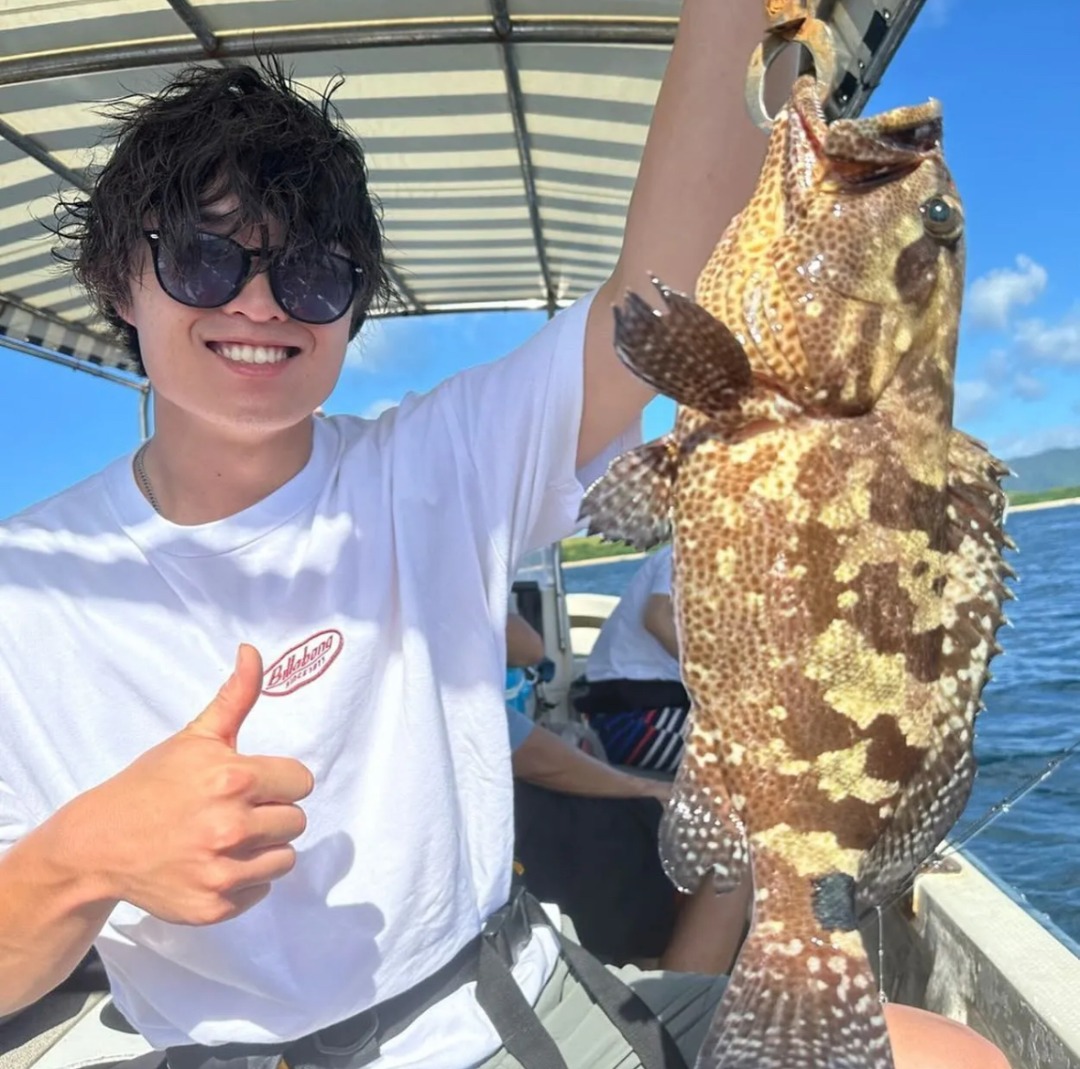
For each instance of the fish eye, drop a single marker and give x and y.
(942, 218)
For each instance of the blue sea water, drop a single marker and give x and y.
(1032, 713)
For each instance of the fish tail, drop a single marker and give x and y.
(797, 1004)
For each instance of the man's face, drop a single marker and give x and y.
(246, 363)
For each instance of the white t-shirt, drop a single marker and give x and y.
(375, 585)
(624, 649)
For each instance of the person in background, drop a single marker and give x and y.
(635, 700)
(586, 835)
(544, 759)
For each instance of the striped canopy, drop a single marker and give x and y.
(503, 136)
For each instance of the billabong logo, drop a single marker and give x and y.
(303, 664)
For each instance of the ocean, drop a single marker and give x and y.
(1032, 713)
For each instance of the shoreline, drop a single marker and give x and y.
(1061, 502)
(603, 560)
(1030, 506)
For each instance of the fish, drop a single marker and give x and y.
(839, 572)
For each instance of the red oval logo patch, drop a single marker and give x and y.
(303, 664)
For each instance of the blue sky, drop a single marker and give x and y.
(1010, 95)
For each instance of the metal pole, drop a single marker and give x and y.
(246, 45)
(70, 362)
(144, 414)
(504, 28)
(194, 21)
(25, 143)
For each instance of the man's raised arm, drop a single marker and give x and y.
(701, 161)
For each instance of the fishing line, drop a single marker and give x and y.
(979, 825)
(941, 856)
(881, 994)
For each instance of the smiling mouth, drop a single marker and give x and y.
(253, 354)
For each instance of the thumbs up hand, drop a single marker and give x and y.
(193, 831)
(224, 716)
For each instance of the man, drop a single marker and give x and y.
(331, 833)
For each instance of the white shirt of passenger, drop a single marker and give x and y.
(624, 649)
(375, 585)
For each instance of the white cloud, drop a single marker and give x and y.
(377, 408)
(997, 366)
(935, 13)
(972, 398)
(992, 297)
(1066, 436)
(1028, 387)
(1050, 343)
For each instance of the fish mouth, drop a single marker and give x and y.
(867, 151)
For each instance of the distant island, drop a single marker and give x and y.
(1056, 470)
(1033, 497)
(591, 547)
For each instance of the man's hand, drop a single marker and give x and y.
(193, 831)
(660, 789)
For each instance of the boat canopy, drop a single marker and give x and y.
(503, 136)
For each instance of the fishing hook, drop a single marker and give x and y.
(790, 22)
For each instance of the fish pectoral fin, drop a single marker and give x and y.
(974, 591)
(700, 835)
(685, 352)
(631, 501)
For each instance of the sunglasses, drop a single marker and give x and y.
(312, 287)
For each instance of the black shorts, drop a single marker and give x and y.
(598, 860)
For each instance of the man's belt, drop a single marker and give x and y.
(357, 1041)
(488, 960)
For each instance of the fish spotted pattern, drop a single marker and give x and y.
(838, 571)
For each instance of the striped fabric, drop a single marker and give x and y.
(503, 135)
(643, 738)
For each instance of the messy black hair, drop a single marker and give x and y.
(240, 131)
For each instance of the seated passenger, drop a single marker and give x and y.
(635, 700)
(586, 836)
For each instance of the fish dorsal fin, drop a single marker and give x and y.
(684, 352)
(975, 587)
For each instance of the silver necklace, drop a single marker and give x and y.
(144, 479)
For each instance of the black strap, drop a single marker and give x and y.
(488, 959)
(645, 1033)
(520, 1029)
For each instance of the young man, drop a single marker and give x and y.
(331, 833)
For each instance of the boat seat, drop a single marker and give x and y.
(74, 1027)
(587, 613)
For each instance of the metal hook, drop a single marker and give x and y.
(814, 35)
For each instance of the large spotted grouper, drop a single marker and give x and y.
(838, 571)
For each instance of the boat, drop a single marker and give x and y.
(503, 138)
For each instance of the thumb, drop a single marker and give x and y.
(223, 717)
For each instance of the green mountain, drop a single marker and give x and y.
(1044, 471)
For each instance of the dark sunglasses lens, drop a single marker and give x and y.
(314, 288)
(204, 274)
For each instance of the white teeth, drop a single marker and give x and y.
(251, 354)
